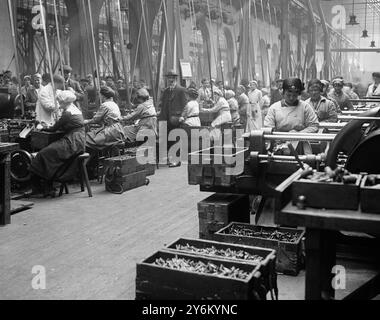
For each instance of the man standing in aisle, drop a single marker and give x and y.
(173, 101)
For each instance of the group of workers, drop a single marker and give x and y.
(286, 107)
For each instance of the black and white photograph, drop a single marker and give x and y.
(208, 151)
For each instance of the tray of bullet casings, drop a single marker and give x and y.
(287, 243)
(370, 194)
(183, 276)
(331, 189)
(264, 258)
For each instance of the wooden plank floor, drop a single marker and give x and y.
(90, 246)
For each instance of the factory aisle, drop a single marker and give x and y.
(90, 247)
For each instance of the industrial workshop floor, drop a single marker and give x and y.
(90, 247)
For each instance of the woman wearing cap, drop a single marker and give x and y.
(234, 107)
(190, 114)
(255, 96)
(109, 116)
(27, 85)
(144, 115)
(292, 114)
(52, 162)
(339, 96)
(244, 107)
(221, 109)
(265, 102)
(323, 107)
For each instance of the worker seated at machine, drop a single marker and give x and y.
(221, 108)
(54, 161)
(234, 106)
(340, 96)
(144, 115)
(323, 107)
(292, 115)
(112, 132)
(190, 114)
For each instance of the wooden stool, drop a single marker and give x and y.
(83, 176)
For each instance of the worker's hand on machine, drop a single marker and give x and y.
(181, 119)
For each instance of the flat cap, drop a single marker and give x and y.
(171, 73)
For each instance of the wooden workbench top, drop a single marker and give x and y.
(345, 220)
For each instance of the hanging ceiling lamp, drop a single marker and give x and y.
(353, 21)
(373, 43)
(365, 31)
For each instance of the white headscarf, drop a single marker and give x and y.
(65, 97)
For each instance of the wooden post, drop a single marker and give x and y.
(327, 54)
(285, 38)
(170, 33)
(13, 29)
(312, 68)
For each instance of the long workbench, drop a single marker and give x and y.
(5, 189)
(322, 230)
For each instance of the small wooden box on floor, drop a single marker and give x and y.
(154, 282)
(289, 254)
(331, 195)
(218, 210)
(150, 167)
(126, 182)
(267, 264)
(369, 197)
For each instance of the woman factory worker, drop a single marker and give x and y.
(109, 116)
(51, 162)
(292, 114)
(234, 106)
(145, 116)
(323, 107)
(244, 108)
(221, 108)
(190, 114)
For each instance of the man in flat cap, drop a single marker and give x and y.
(71, 83)
(374, 88)
(173, 101)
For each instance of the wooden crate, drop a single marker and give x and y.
(126, 164)
(4, 135)
(159, 283)
(125, 183)
(150, 167)
(267, 264)
(218, 210)
(289, 254)
(208, 167)
(369, 197)
(331, 195)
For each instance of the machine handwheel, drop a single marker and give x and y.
(20, 164)
(350, 137)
